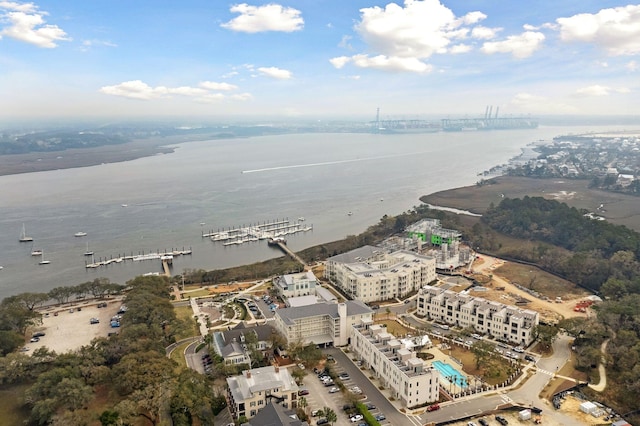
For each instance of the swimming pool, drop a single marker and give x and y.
(450, 374)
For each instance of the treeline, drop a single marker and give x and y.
(591, 247)
(117, 379)
(56, 141)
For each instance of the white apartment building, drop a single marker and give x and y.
(370, 274)
(396, 366)
(296, 285)
(324, 324)
(254, 389)
(500, 321)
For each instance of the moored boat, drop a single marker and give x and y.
(80, 234)
(23, 236)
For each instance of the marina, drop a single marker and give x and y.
(252, 233)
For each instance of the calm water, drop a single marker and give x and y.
(224, 183)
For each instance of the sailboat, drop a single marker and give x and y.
(44, 262)
(88, 252)
(23, 236)
(36, 252)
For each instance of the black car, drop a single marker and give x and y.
(483, 422)
(322, 421)
(502, 420)
(370, 406)
(529, 358)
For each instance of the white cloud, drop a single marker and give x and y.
(460, 48)
(632, 66)
(418, 30)
(26, 23)
(212, 85)
(271, 17)
(393, 63)
(345, 43)
(241, 97)
(617, 30)
(137, 89)
(597, 90)
(88, 44)
(274, 72)
(484, 33)
(520, 46)
(134, 89)
(339, 61)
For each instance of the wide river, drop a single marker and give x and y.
(165, 202)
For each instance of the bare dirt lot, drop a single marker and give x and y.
(510, 294)
(68, 330)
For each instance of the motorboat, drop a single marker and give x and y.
(80, 234)
(36, 252)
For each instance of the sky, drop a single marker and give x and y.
(318, 58)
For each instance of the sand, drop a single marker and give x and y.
(70, 330)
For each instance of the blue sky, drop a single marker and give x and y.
(317, 58)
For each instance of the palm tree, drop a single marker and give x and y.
(330, 415)
(302, 403)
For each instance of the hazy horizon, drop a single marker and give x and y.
(326, 59)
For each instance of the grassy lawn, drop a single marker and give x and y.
(186, 313)
(12, 411)
(196, 293)
(394, 327)
(178, 355)
(495, 375)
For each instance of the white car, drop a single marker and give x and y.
(334, 390)
(356, 418)
(518, 349)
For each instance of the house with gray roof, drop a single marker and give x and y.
(231, 345)
(252, 390)
(275, 415)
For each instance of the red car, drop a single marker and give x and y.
(433, 407)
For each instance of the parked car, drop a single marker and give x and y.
(483, 422)
(356, 418)
(529, 358)
(322, 421)
(314, 413)
(501, 420)
(94, 321)
(380, 417)
(34, 339)
(518, 349)
(370, 406)
(38, 334)
(334, 390)
(303, 392)
(433, 407)
(344, 376)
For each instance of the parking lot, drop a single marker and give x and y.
(321, 395)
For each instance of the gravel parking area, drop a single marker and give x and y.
(69, 330)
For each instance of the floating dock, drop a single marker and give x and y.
(264, 231)
(165, 257)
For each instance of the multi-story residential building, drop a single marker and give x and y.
(500, 321)
(430, 231)
(254, 389)
(370, 274)
(326, 324)
(231, 345)
(295, 285)
(395, 365)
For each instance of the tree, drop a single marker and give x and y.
(482, 351)
(302, 403)
(545, 335)
(60, 294)
(29, 300)
(330, 415)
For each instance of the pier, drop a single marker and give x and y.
(166, 258)
(281, 243)
(252, 233)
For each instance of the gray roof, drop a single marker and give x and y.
(242, 387)
(275, 415)
(289, 315)
(262, 331)
(232, 348)
(356, 255)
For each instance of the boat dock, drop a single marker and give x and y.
(165, 257)
(252, 233)
(281, 243)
